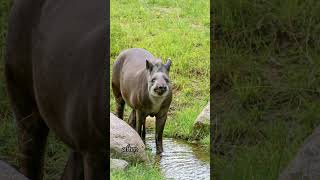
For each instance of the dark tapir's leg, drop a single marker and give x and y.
(160, 122)
(120, 107)
(33, 134)
(95, 166)
(144, 131)
(74, 167)
(119, 100)
(32, 131)
(132, 119)
(140, 119)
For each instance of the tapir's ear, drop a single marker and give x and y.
(149, 65)
(168, 64)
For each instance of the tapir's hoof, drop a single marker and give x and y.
(159, 151)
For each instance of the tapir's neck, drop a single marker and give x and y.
(156, 103)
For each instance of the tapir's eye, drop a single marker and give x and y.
(167, 80)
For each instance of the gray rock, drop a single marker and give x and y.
(125, 142)
(306, 164)
(118, 164)
(202, 123)
(9, 173)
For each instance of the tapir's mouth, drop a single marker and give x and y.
(159, 92)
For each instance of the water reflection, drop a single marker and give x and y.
(180, 160)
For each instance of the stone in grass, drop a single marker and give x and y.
(202, 123)
(306, 164)
(9, 173)
(118, 164)
(125, 142)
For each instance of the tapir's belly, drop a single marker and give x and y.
(130, 94)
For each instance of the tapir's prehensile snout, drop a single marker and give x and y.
(161, 89)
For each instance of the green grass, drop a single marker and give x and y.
(56, 151)
(138, 172)
(8, 141)
(4, 8)
(266, 84)
(182, 126)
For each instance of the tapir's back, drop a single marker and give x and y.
(133, 61)
(135, 57)
(129, 73)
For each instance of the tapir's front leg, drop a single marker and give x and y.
(160, 122)
(140, 120)
(143, 133)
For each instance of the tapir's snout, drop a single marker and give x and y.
(159, 84)
(161, 89)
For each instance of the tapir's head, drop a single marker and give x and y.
(158, 78)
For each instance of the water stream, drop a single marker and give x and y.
(180, 160)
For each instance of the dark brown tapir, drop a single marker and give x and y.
(142, 81)
(56, 74)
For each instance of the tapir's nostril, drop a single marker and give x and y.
(163, 88)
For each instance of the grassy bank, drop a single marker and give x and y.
(138, 172)
(175, 29)
(266, 89)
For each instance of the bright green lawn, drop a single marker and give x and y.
(138, 172)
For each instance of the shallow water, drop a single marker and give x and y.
(180, 160)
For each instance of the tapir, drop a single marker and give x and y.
(141, 81)
(56, 75)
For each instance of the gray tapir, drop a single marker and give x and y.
(56, 78)
(142, 81)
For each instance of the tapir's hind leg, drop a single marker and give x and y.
(33, 134)
(132, 119)
(140, 122)
(32, 130)
(119, 100)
